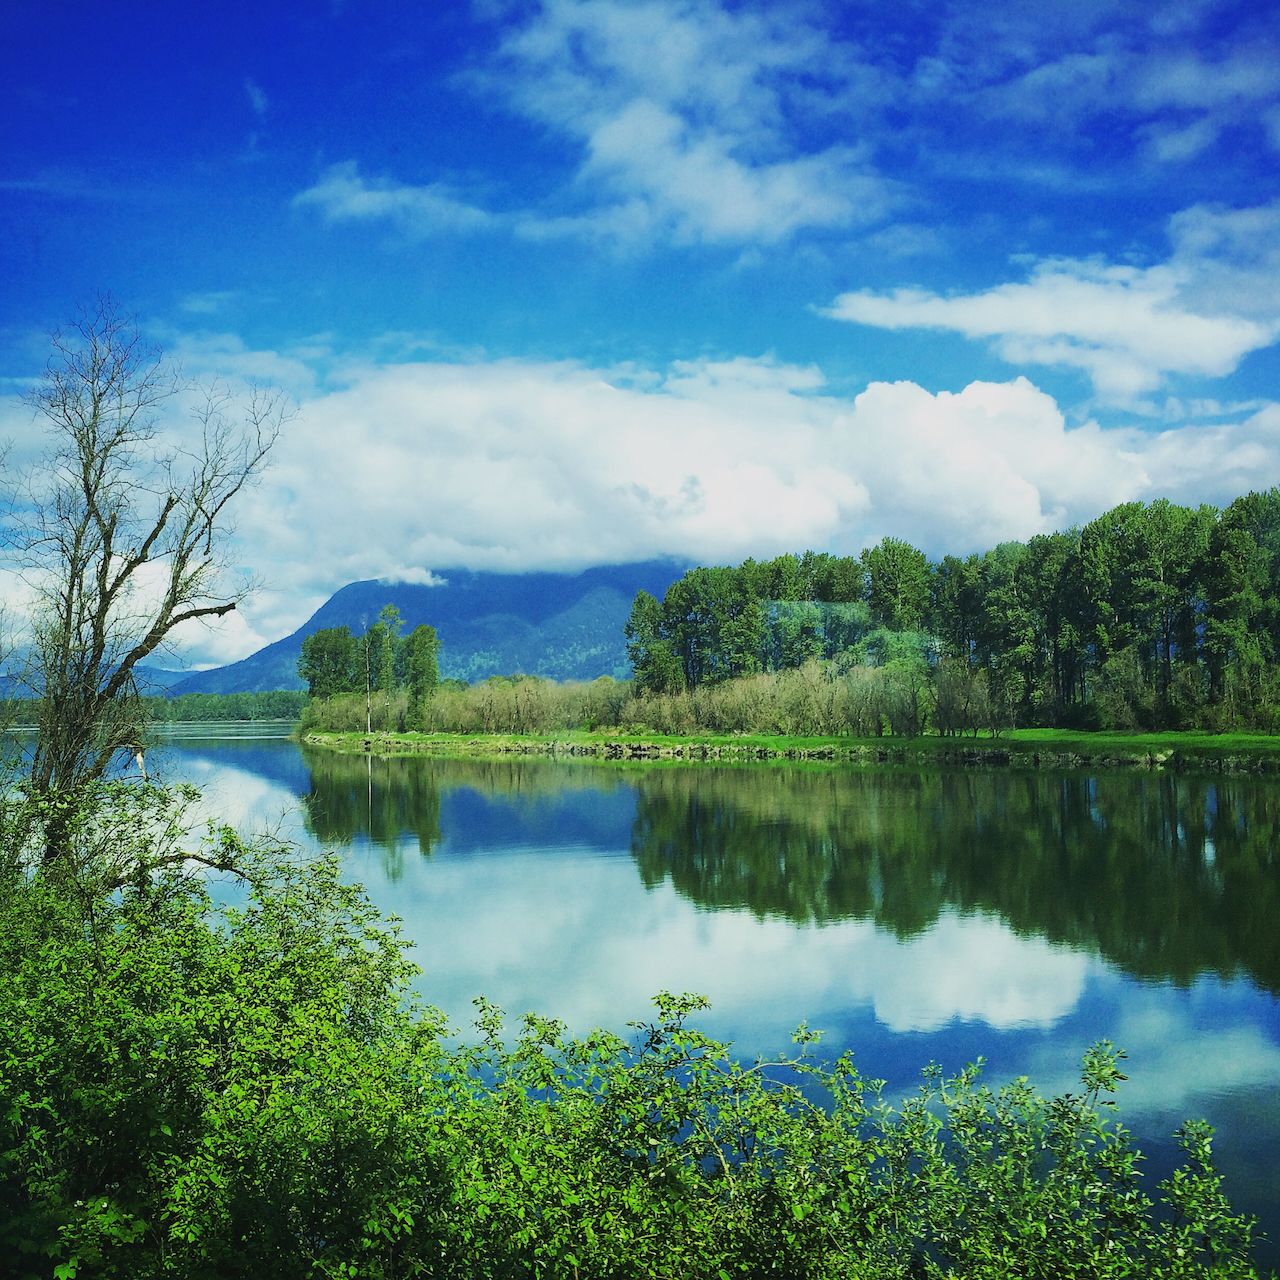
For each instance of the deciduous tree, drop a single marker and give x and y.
(121, 530)
(329, 662)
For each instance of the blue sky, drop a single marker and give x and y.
(556, 284)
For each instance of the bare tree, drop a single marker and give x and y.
(122, 536)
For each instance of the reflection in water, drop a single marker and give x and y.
(913, 916)
(354, 798)
(1166, 876)
(390, 802)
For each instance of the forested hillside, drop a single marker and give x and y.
(1152, 615)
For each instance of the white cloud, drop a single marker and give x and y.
(1127, 328)
(208, 303)
(1187, 79)
(1174, 96)
(415, 576)
(687, 111)
(1122, 326)
(407, 470)
(199, 645)
(692, 180)
(681, 120)
(1228, 260)
(342, 195)
(227, 358)
(1181, 142)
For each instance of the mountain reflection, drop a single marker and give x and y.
(1166, 876)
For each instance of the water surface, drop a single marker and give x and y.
(913, 915)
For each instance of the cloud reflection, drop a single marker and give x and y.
(581, 937)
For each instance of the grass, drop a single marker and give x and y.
(1019, 746)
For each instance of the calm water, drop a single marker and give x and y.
(914, 916)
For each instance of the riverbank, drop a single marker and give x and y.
(1021, 748)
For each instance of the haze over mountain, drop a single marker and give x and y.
(565, 626)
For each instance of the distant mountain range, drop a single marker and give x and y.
(565, 626)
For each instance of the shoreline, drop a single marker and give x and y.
(1022, 749)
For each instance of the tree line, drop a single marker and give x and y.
(1154, 615)
(380, 660)
(271, 704)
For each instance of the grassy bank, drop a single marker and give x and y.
(1020, 748)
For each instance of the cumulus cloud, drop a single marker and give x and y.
(422, 466)
(407, 470)
(1127, 328)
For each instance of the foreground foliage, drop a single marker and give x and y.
(194, 1089)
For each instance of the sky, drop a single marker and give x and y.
(568, 283)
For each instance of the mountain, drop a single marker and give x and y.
(152, 681)
(566, 626)
(156, 681)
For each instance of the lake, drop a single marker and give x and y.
(914, 916)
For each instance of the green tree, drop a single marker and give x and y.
(1235, 575)
(1113, 551)
(421, 651)
(898, 584)
(649, 650)
(329, 662)
(1007, 643)
(715, 626)
(955, 604)
(384, 643)
(1167, 579)
(1055, 656)
(1241, 579)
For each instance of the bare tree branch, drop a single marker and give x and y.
(124, 537)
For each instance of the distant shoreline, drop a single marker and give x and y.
(1019, 749)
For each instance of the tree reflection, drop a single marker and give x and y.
(1166, 876)
(394, 802)
(386, 801)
